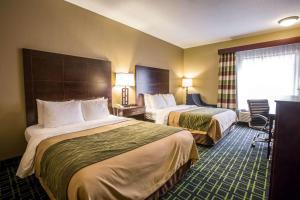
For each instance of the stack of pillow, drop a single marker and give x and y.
(54, 114)
(159, 101)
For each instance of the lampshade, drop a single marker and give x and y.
(124, 79)
(187, 82)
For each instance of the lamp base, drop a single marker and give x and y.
(186, 94)
(125, 95)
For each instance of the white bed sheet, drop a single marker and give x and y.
(36, 134)
(151, 115)
(160, 116)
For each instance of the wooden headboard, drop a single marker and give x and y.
(59, 77)
(150, 80)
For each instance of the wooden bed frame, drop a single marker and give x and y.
(60, 77)
(150, 80)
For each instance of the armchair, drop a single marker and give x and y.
(195, 99)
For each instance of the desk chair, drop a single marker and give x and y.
(259, 115)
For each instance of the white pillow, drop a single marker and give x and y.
(157, 101)
(170, 100)
(40, 109)
(94, 109)
(62, 113)
(147, 100)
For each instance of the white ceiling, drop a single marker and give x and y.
(189, 23)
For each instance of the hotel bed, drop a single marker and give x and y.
(134, 173)
(106, 158)
(208, 132)
(208, 125)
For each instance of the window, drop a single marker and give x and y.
(267, 74)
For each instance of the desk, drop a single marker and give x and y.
(285, 165)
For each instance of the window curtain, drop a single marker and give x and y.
(227, 81)
(267, 73)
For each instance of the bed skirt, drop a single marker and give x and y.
(205, 140)
(175, 178)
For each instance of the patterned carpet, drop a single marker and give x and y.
(229, 170)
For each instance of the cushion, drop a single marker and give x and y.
(40, 110)
(157, 101)
(147, 101)
(169, 99)
(58, 114)
(94, 109)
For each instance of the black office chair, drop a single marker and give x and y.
(259, 115)
(195, 99)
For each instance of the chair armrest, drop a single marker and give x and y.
(262, 117)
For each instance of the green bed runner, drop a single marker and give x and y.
(63, 159)
(199, 119)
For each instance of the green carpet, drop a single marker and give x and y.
(229, 170)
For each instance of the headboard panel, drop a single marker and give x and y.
(59, 77)
(150, 80)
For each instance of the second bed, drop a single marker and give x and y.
(208, 125)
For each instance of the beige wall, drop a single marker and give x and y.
(57, 26)
(201, 63)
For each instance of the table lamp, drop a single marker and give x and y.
(125, 80)
(186, 83)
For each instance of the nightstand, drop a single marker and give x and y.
(137, 112)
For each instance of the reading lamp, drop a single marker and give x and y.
(125, 80)
(186, 83)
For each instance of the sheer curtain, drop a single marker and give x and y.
(267, 73)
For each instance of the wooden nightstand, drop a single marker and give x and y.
(137, 112)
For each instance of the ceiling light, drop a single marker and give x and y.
(288, 21)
